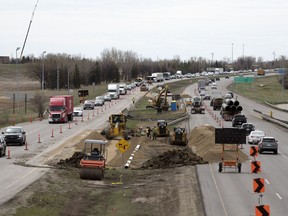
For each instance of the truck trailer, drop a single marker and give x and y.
(61, 108)
(114, 90)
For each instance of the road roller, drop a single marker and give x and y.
(92, 165)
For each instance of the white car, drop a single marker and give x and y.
(255, 136)
(99, 98)
(78, 111)
(214, 86)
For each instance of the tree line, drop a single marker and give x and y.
(62, 70)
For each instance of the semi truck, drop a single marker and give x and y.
(201, 85)
(158, 76)
(114, 90)
(61, 108)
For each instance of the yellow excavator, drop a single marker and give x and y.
(160, 102)
(92, 165)
(117, 127)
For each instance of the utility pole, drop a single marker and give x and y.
(232, 54)
(17, 78)
(212, 58)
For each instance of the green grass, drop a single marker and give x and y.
(264, 89)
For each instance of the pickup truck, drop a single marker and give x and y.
(238, 120)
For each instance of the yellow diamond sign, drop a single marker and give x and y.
(122, 145)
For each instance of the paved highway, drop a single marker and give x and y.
(42, 146)
(231, 193)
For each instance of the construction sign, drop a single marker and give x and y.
(262, 210)
(254, 151)
(122, 145)
(255, 167)
(258, 185)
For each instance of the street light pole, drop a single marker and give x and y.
(212, 58)
(17, 77)
(232, 54)
(43, 75)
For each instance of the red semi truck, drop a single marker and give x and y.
(61, 108)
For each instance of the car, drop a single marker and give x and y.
(98, 102)
(207, 97)
(2, 146)
(88, 104)
(255, 136)
(100, 98)
(144, 87)
(107, 97)
(248, 127)
(202, 93)
(78, 111)
(214, 86)
(226, 77)
(268, 144)
(15, 135)
(238, 120)
(217, 79)
(227, 96)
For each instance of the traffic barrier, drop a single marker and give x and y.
(52, 132)
(39, 140)
(8, 153)
(60, 131)
(26, 146)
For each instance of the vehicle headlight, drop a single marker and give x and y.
(20, 136)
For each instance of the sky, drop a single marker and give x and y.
(156, 29)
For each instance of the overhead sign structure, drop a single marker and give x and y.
(243, 79)
(122, 145)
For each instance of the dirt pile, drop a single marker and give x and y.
(173, 158)
(72, 162)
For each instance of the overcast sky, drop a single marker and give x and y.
(154, 29)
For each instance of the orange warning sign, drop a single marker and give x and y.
(258, 185)
(255, 167)
(254, 151)
(262, 210)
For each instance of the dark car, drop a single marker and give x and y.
(238, 120)
(248, 127)
(268, 144)
(15, 134)
(2, 146)
(207, 97)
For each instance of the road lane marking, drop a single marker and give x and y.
(18, 180)
(218, 191)
(267, 181)
(283, 155)
(279, 196)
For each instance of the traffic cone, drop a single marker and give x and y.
(60, 129)
(8, 153)
(26, 146)
(39, 137)
(52, 132)
(69, 126)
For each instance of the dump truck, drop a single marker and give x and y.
(178, 137)
(217, 103)
(92, 165)
(162, 129)
(229, 108)
(60, 109)
(197, 105)
(116, 129)
(201, 85)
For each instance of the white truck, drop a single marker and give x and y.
(158, 76)
(201, 85)
(123, 88)
(113, 90)
(179, 74)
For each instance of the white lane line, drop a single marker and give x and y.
(222, 202)
(279, 196)
(267, 181)
(282, 154)
(18, 180)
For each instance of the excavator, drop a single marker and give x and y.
(178, 137)
(92, 165)
(160, 102)
(117, 127)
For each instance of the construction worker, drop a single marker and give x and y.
(148, 130)
(133, 100)
(154, 133)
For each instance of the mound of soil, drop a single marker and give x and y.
(72, 162)
(173, 158)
